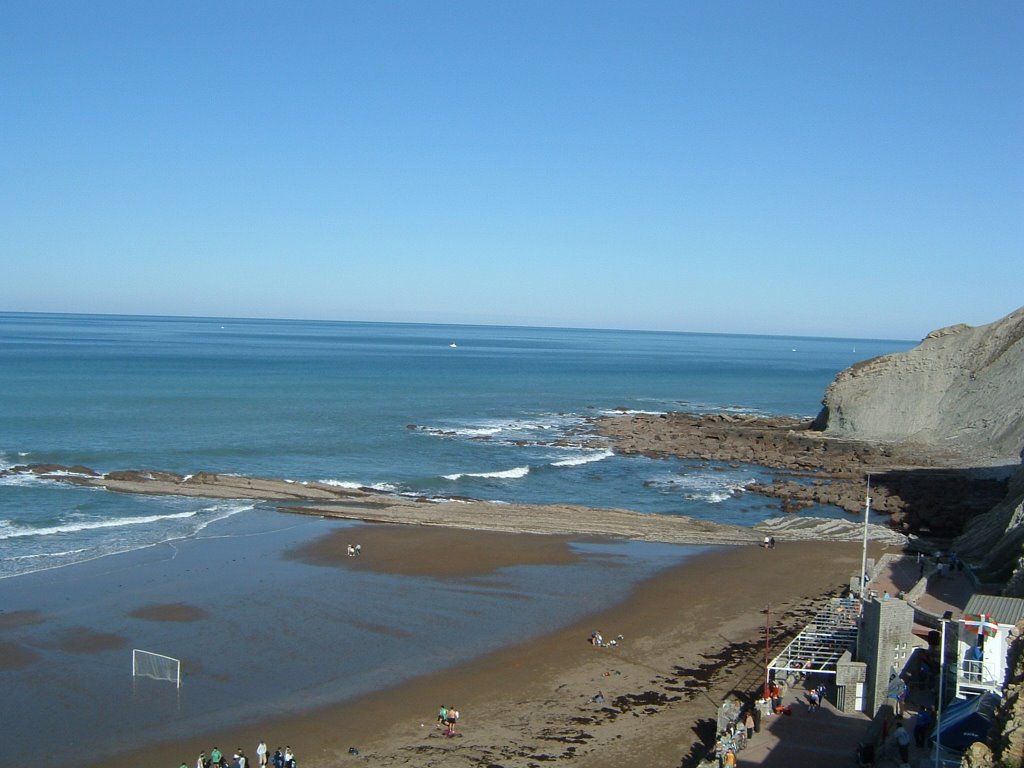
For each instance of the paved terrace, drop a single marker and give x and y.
(930, 594)
(829, 737)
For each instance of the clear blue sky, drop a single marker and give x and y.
(837, 168)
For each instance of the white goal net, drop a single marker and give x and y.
(157, 666)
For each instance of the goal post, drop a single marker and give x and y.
(156, 665)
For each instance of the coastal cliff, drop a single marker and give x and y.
(961, 391)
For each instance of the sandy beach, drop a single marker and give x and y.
(691, 633)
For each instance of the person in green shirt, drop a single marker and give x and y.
(215, 756)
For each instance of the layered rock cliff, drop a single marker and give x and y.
(960, 391)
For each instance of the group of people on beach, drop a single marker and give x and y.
(447, 718)
(596, 638)
(217, 759)
(354, 550)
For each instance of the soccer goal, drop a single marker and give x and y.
(157, 666)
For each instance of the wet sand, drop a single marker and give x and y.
(690, 634)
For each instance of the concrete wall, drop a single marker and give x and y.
(885, 644)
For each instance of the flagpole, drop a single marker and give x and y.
(864, 552)
(942, 686)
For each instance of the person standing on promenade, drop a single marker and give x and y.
(922, 725)
(903, 742)
(748, 721)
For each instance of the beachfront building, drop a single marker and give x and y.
(819, 648)
(864, 652)
(983, 642)
(886, 645)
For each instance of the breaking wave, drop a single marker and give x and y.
(508, 474)
(588, 458)
(711, 488)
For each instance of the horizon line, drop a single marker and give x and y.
(455, 324)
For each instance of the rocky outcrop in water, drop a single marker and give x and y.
(961, 391)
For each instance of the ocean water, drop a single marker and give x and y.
(437, 410)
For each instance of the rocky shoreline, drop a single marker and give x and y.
(372, 506)
(924, 491)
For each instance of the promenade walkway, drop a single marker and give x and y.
(823, 737)
(827, 737)
(939, 594)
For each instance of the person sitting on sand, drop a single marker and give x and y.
(596, 639)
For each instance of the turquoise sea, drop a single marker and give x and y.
(438, 410)
(435, 410)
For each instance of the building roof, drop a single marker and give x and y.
(1005, 610)
(820, 644)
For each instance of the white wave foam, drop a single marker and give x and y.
(219, 512)
(509, 474)
(21, 531)
(587, 458)
(49, 554)
(342, 484)
(505, 429)
(20, 480)
(709, 488)
(352, 486)
(630, 412)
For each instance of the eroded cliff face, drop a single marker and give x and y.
(960, 391)
(994, 540)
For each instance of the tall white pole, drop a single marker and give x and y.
(942, 686)
(864, 553)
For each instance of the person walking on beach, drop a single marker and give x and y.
(201, 761)
(215, 756)
(261, 754)
(453, 719)
(442, 716)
